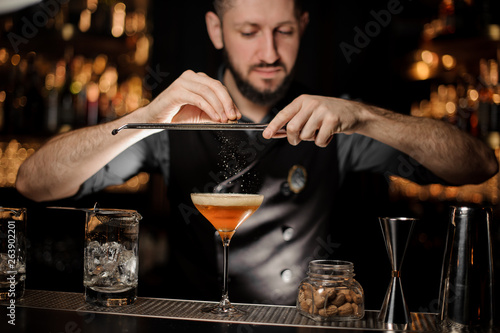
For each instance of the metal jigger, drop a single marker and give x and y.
(396, 233)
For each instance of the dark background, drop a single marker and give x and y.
(376, 76)
(373, 75)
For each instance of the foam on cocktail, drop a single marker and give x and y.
(226, 199)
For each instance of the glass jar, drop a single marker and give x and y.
(330, 292)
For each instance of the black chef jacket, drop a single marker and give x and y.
(270, 251)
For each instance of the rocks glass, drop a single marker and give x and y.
(12, 253)
(111, 261)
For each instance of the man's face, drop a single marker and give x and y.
(261, 42)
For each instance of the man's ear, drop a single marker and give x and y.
(304, 20)
(214, 28)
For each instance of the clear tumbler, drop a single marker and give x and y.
(111, 260)
(12, 253)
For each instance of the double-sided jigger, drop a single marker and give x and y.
(397, 232)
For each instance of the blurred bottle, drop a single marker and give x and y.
(493, 138)
(485, 95)
(92, 103)
(34, 108)
(52, 102)
(468, 21)
(100, 23)
(447, 16)
(466, 18)
(16, 98)
(66, 111)
(464, 111)
(3, 96)
(7, 104)
(489, 117)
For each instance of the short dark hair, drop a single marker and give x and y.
(221, 6)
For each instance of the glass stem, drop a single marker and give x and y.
(225, 298)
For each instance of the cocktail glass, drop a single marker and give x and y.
(226, 211)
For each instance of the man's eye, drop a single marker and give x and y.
(285, 32)
(247, 34)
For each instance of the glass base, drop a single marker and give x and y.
(110, 299)
(9, 291)
(224, 308)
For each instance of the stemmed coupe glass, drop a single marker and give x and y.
(226, 211)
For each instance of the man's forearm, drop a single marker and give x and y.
(442, 148)
(61, 165)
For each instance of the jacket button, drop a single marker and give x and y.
(288, 233)
(286, 275)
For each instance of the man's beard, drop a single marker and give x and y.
(266, 97)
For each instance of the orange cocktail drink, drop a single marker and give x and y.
(226, 211)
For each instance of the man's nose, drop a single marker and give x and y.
(269, 51)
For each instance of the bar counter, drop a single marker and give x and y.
(50, 311)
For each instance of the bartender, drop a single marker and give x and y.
(299, 177)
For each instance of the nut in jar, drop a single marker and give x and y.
(330, 293)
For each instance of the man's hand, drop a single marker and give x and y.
(315, 118)
(193, 97)
(60, 166)
(442, 148)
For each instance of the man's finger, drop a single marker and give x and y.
(227, 108)
(281, 119)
